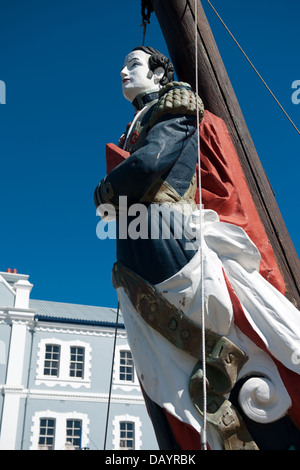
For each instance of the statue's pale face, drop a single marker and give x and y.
(136, 75)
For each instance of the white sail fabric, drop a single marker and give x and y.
(164, 370)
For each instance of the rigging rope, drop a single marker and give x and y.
(203, 429)
(254, 68)
(111, 378)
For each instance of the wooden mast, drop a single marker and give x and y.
(176, 18)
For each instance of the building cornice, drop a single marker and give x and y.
(17, 315)
(78, 329)
(78, 396)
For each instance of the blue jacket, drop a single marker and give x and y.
(160, 173)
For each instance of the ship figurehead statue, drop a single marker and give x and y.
(172, 298)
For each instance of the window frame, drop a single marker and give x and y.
(64, 378)
(52, 360)
(73, 436)
(60, 437)
(41, 446)
(76, 362)
(125, 385)
(128, 369)
(136, 420)
(126, 438)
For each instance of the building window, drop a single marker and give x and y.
(74, 427)
(76, 361)
(46, 434)
(126, 366)
(51, 364)
(125, 376)
(64, 363)
(126, 435)
(127, 432)
(51, 430)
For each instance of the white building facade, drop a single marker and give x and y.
(55, 374)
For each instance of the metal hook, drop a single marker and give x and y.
(146, 5)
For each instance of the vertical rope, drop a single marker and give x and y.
(203, 430)
(111, 378)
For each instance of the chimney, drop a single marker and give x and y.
(23, 289)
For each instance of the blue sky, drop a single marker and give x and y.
(61, 61)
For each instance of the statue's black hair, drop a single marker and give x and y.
(157, 59)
